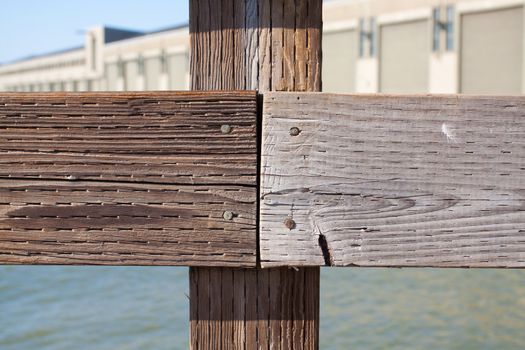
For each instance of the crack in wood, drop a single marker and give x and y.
(327, 253)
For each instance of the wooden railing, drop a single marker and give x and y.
(256, 191)
(378, 180)
(170, 179)
(128, 178)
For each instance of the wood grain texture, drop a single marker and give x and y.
(261, 36)
(128, 178)
(264, 44)
(254, 308)
(393, 181)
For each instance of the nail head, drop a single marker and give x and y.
(294, 131)
(226, 129)
(227, 215)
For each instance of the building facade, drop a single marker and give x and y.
(369, 46)
(111, 60)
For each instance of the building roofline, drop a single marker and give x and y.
(43, 55)
(169, 29)
(133, 35)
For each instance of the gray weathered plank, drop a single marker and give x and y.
(128, 178)
(393, 181)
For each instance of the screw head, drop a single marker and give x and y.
(226, 129)
(227, 215)
(294, 131)
(289, 223)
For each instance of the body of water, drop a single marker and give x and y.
(135, 308)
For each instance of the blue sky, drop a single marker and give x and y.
(29, 27)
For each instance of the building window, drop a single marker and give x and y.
(437, 29)
(450, 28)
(372, 37)
(446, 26)
(362, 35)
(367, 36)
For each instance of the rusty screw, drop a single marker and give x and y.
(294, 131)
(227, 215)
(226, 129)
(289, 223)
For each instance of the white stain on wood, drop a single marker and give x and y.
(449, 132)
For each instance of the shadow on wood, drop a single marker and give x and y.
(254, 306)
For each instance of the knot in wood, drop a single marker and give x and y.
(289, 223)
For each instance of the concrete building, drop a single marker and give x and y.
(389, 46)
(111, 59)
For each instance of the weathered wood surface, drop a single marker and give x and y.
(393, 181)
(254, 308)
(128, 178)
(256, 44)
(264, 45)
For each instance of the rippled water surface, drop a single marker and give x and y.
(132, 308)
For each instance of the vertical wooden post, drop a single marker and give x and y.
(267, 45)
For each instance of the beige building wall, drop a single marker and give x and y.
(444, 73)
(487, 56)
(404, 57)
(112, 77)
(152, 73)
(340, 54)
(178, 71)
(492, 52)
(132, 75)
(98, 66)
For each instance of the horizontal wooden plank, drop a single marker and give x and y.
(128, 178)
(377, 180)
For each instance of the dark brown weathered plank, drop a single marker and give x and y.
(128, 178)
(393, 181)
